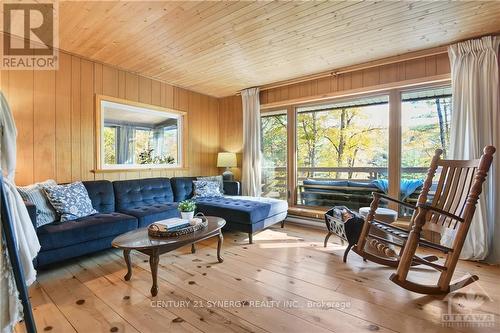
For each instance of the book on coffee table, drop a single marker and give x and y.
(172, 224)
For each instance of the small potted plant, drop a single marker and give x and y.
(187, 208)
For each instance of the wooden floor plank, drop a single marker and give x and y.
(370, 316)
(269, 295)
(269, 318)
(131, 305)
(276, 284)
(47, 316)
(365, 278)
(84, 311)
(205, 319)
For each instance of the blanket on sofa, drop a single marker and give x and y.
(406, 186)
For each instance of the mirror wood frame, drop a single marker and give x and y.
(100, 168)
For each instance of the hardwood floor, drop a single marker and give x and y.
(284, 282)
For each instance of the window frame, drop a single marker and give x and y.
(281, 112)
(181, 117)
(395, 135)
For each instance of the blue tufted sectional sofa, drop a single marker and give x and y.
(131, 204)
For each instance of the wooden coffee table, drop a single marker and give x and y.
(139, 240)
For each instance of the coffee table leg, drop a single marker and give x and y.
(193, 249)
(126, 255)
(154, 259)
(219, 246)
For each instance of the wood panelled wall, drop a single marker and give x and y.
(231, 128)
(230, 109)
(55, 113)
(364, 79)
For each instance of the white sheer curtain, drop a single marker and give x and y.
(475, 124)
(125, 144)
(251, 173)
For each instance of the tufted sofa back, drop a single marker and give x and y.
(142, 192)
(101, 194)
(182, 187)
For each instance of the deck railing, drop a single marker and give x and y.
(274, 178)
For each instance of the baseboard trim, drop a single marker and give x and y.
(304, 221)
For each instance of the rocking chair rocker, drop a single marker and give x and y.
(453, 206)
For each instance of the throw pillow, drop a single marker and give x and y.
(206, 188)
(71, 201)
(217, 179)
(35, 194)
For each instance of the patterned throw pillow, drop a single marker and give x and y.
(71, 201)
(217, 179)
(206, 188)
(35, 194)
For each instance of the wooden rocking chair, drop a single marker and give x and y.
(453, 205)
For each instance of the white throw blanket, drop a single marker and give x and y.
(27, 241)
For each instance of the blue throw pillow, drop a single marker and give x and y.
(71, 201)
(35, 194)
(219, 179)
(206, 188)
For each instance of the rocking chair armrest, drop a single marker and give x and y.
(386, 197)
(440, 211)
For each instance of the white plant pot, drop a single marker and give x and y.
(187, 215)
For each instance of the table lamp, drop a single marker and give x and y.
(226, 160)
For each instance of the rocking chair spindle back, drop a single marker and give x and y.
(452, 205)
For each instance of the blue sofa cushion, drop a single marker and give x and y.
(74, 250)
(57, 235)
(102, 195)
(182, 187)
(243, 210)
(147, 214)
(130, 194)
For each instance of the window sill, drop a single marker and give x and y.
(138, 169)
(307, 212)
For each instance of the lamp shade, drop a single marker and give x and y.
(226, 160)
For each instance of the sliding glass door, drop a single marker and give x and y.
(425, 127)
(337, 153)
(274, 153)
(342, 152)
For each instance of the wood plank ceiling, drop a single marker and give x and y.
(218, 48)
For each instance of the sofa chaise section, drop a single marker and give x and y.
(247, 214)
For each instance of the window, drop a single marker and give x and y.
(425, 127)
(109, 145)
(274, 153)
(134, 135)
(340, 149)
(342, 152)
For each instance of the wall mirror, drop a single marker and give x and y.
(138, 136)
